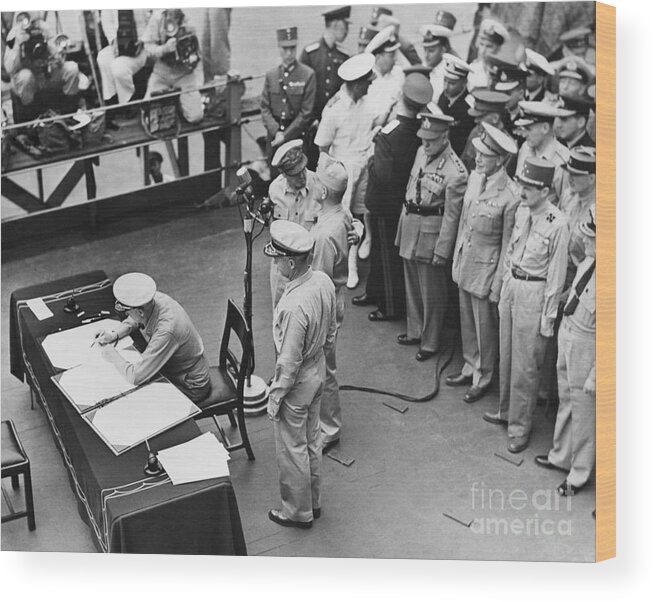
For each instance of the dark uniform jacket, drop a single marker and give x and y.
(584, 140)
(421, 237)
(390, 166)
(325, 62)
(464, 123)
(287, 101)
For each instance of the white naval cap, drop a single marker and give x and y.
(356, 67)
(384, 41)
(288, 239)
(134, 289)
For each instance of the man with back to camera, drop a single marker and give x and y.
(173, 344)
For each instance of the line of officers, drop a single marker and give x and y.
(520, 250)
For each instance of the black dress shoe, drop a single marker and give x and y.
(423, 355)
(517, 445)
(566, 489)
(316, 512)
(474, 393)
(403, 339)
(458, 380)
(329, 445)
(379, 316)
(545, 463)
(362, 300)
(277, 517)
(494, 418)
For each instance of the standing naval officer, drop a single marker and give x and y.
(381, 16)
(485, 227)
(174, 345)
(293, 194)
(533, 281)
(427, 232)
(287, 101)
(304, 328)
(325, 57)
(331, 257)
(388, 171)
(453, 101)
(436, 43)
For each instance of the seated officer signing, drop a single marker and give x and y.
(38, 67)
(174, 346)
(287, 101)
(170, 40)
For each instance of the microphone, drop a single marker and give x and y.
(245, 181)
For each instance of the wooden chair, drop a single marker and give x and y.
(228, 379)
(15, 463)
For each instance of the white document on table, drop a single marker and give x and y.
(196, 460)
(39, 308)
(141, 414)
(70, 348)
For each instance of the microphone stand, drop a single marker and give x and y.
(255, 390)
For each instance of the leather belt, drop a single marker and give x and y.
(521, 275)
(420, 210)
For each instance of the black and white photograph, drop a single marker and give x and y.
(301, 281)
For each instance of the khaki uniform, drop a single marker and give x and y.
(298, 206)
(574, 439)
(331, 257)
(485, 228)
(421, 237)
(576, 208)
(174, 347)
(537, 249)
(304, 327)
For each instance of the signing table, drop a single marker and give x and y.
(126, 510)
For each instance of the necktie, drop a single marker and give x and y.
(572, 303)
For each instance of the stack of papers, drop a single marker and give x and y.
(70, 348)
(196, 460)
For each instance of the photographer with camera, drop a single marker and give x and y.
(124, 57)
(41, 76)
(173, 43)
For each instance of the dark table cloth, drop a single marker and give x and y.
(125, 510)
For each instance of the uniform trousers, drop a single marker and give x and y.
(522, 350)
(117, 73)
(63, 77)
(479, 323)
(574, 439)
(426, 288)
(164, 77)
(330, 402)
(386, 285)
(298, 443)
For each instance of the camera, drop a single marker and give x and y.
(187, 51)
(35, 48)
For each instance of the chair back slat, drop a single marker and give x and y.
(237, 364)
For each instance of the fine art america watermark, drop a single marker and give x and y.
(518, 512)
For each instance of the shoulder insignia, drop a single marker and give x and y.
(390, 127)
(341, 48)
(550, 217)
(461, 168)
(312, 47)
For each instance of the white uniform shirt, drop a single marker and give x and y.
(386, 90)
(437, 79)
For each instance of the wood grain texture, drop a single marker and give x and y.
(606, 282)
